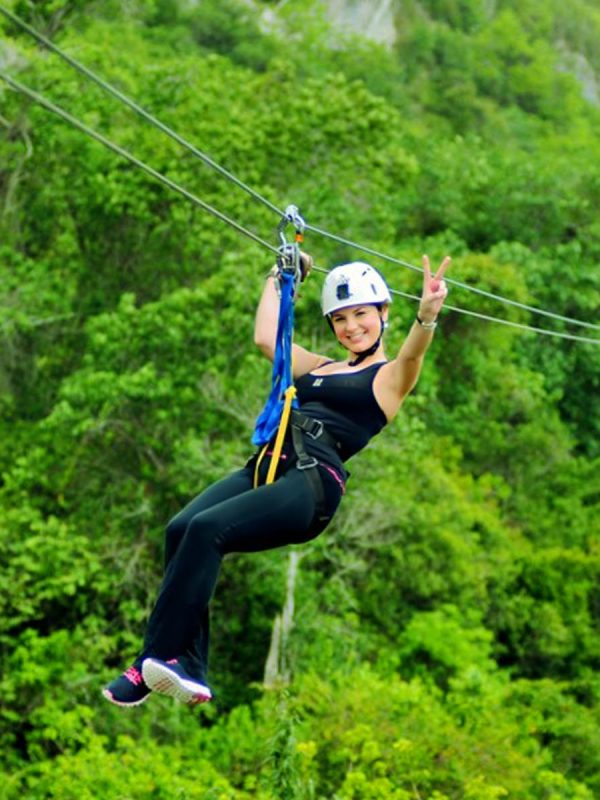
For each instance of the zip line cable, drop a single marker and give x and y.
(256, 195)
(454, 282)
(489, 318)
(125, 154)
(137, 108)
(196, 200)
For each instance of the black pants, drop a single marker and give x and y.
(230, 516)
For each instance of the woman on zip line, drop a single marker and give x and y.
(342, 405)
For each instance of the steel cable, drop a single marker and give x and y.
(107, 87)
(489, 318)
(257, 196)
(136, 161)
(47, 104)
(453, 281)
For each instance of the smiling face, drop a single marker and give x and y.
(358, 327)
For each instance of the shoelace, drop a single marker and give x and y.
(134, 675)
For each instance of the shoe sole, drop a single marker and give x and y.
(111, 699)
(161, 679)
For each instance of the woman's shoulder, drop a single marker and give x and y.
(304, 361)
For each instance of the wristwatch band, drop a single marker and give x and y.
(427, 326)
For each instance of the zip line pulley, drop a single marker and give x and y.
(288, 253)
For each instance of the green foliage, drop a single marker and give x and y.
(126, 771)
(370, 738)
(231, 28)
(547, 625)
(458, 14)
(446, 631)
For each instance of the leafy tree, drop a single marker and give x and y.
(445, 637)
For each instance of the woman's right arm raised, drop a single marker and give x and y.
(265, 331)
(267, 316)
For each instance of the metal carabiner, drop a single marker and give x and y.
(288, 258)
(293, 216)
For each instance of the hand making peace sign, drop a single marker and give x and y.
(434, 290)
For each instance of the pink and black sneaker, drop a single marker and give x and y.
(129, 689)
(170, 678)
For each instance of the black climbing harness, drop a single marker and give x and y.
(301, 426)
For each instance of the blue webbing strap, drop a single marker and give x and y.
(268, 420)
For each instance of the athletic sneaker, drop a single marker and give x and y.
(129, 689)
(170, 678)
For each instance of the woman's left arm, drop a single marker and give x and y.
(405, 368)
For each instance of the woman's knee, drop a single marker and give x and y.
(190, 541)
(174, 533)
(203, 532)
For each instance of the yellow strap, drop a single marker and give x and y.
(261, 455)
(290, 393)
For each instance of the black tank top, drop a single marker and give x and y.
(346, 405)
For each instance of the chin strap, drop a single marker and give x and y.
(360, 357)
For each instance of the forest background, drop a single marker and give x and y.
(446, 637)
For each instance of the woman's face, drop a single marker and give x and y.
(358, 327)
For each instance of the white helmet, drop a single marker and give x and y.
(353, 284)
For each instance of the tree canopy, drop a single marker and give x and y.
(446, 640)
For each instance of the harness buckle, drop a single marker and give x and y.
(317, 429)
(312, 427)
(307, 462)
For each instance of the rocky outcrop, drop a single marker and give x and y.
(371, 18)
(577, 65)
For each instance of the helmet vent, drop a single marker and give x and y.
(342, 292)
(353, 284)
